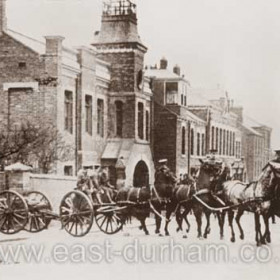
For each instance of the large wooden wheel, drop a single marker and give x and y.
(76, 213)
(13, 212)
(39, 208)
(109, 221)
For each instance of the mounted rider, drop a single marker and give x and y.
(165, 177)
(277, 158)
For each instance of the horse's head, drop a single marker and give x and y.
(269, 181)
(209, 171)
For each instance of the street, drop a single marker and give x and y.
(132, 254)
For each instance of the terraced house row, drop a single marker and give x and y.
(115, 111)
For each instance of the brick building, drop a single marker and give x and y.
(173, 122)
(46, 81)
(96, 96)
(130, 96)
(222, 131)
(113, 112)
(256, 144)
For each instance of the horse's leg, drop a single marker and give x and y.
(143, 225)
(185, 216)
(221, 219)
(158, 220)
(197, 211)
(257, 229)
(239, 214)
(169, 209)
(266, 236)
(179, 219)
(207, 228)
(230, 222)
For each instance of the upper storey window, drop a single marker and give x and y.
(171, 93)
(141, 120)
(68, 111)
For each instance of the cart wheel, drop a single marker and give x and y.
(76, 213)
(38, 207)
(109, 222)
(13, 212)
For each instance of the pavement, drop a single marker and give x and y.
(54, 254)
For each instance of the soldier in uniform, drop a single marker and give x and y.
(277, 158)
(162, 174)
(104, 177)
(163, 166)
(104, 181)
(87, 181)
(82, 179)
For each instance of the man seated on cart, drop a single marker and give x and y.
(87, 182)
(104, 182)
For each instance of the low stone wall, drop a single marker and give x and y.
(2, 181)
(53, 187)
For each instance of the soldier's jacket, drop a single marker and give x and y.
(104, 178)
(82, 179)
(161, 172)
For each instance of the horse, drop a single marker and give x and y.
(140, 201)
(255, 197)
(184, 196)
(204, 201)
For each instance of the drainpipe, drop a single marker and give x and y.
(77, 125)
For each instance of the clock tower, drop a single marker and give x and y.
(119, 43)
(129, 97)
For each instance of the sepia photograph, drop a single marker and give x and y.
(139, 139)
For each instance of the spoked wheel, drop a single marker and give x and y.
(13, 212)
(109, 222)
(39, 208)
(76, 213)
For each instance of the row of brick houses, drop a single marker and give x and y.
(116, 113)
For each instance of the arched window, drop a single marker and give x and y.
(192, 142)
(100, 117)
(203, 144)
(224, 142)
(233, 144)
(147, 126)
(183, 141)
(198, 144)
(119, 118)
(213, 137)
(141, 120)
(217, 139)
(227, 141)
(221, 141)
(230, 143)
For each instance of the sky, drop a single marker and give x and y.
(233, 44)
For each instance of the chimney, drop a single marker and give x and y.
(177, 70)
(3, 18)
(53, 56)
(54, 44)
(163, 64)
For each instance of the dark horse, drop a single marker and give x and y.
(256, 197)
(184, 196)
(141, 201)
